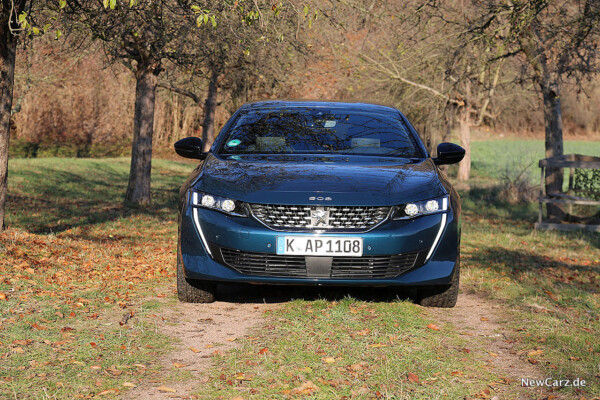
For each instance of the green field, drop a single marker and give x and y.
(499, 158)
(74, 261)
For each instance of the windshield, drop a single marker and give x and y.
(319, 131)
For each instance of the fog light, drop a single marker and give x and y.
(208, 201)
(432, 205)
(411, 209)
(228, 205)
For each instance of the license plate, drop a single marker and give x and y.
(320, 246)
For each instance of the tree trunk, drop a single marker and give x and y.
(176, 112)
(464, 121)
(210, 107)
(8, 50)
(554, 142)
(138, 189)
(447, 132)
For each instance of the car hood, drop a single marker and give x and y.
(295, 179)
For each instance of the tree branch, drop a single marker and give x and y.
(183, 92)
(395, 74)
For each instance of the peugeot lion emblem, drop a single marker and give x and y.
(319, 217)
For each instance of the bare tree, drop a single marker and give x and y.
(146, 36)
(429, 66)
(233, 58)
(8, 50)
(143, 36)
(553, 41)
(15, 21)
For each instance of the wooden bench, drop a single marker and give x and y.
(573, 195)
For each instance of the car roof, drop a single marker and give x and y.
(346, 105)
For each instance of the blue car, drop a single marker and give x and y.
(319, 193)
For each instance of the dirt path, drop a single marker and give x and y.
(205, 328)
(484, 324)
(214, 327)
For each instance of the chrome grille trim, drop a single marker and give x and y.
(341, 218)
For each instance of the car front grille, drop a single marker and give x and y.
(286, 266)
(335, 218)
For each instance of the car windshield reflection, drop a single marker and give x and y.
(304, 130)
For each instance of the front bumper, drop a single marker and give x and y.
(199, 226)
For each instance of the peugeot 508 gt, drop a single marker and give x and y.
(319, 193)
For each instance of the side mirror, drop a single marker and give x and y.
(449, 153)
(190, 147)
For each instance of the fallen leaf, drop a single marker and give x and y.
(306, 388)
(242, 377)
(166, 389)
(534, 353)
(194, 350)
(128, 384)
(493, 354)
(551, 295)
(374, 345)
(263, 350)
(328, 360)
(484, 319)
(358, 367)
(177, 365)
(18, 350)
(108, 391)
(433, 327)
(3, 296)
(114, 371)
(413, 377)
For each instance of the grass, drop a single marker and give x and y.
(497, 158)
(75, 262)
(79, 278)
(350, 349)
(550, 281)
(53, 194)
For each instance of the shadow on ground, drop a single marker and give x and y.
(489, 202)
(269, 294)
(50, 196)
(565, 272)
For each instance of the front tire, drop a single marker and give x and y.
(191, 290)
(444, 296)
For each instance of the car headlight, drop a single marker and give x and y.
(418, 208)
(218, 203)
